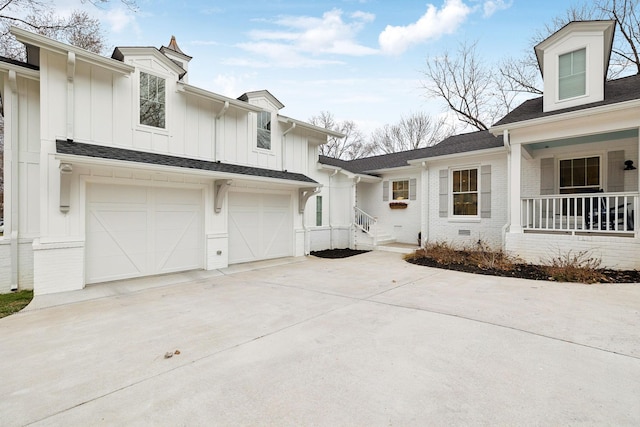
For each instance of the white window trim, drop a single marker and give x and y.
(147, 128)
(464, 218)
(255, 145)
(599, 154)
(391, 182)
(586, 75)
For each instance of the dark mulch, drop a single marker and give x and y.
(337, 253)
(527, 271)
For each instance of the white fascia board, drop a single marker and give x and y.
(476, 153)
(350, 175)
(20, 71)
(148, 167)
(310, 127)
(585, 112)
(193, 90)
(43, 42)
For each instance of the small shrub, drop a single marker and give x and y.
(481, 256)
(487, 258)
(571, 266)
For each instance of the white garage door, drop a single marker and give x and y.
(260, 226)
(136, 231)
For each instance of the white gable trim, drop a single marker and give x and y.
(42, 42)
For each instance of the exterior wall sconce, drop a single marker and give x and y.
(628, 165)
(65, 186)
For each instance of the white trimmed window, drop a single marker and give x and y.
(580, 175)
(264, 130)
(152, 100)
(465, 192)
(573, 74)
(319, 211)
(400, 190)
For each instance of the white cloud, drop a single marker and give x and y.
(492, 6)
(120, 19)
(300, 40)
(430, 26)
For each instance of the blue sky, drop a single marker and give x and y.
(359, 59)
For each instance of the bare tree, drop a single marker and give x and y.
(352, 146)
(416, 131)
(522, 74)
(78, 29)
(468, 86)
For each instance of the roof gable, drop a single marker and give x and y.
(615, 91)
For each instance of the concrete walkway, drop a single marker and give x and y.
(369, 340)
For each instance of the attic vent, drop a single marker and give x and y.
(464, 232)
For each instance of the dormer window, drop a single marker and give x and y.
(152, 100)
(264, 130)
(572, 74)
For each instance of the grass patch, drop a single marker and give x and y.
(14, 302)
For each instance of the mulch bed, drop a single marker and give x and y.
(527, 271)
(336, 253)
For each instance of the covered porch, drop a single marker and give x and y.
(576, 194)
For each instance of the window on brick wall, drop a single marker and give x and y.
(465, 192)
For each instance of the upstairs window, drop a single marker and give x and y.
(152, 100)
(264, 130)
(573, 74)
(465, 192)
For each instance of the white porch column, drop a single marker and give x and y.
(424, 203)
(515, 173)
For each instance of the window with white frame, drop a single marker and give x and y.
(264, 130)
(465, 192)
(581, 175)
(572, 73)
(318, 211)
(152, 100)
(400, 190)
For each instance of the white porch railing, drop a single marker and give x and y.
(588, 213)
(366, 223)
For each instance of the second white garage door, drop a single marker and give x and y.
(260, 226)
(134, 231)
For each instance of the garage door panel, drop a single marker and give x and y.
(260, 226)
(127, 238)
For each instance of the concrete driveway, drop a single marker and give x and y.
(368, 340)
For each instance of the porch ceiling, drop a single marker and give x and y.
(601, 137)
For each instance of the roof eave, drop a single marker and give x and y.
(29, 38)
(482, 152)
(193, 90)
(101, 161)
(499, 129)
(310, 127)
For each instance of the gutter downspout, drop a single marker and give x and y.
(216, 135)
(14, 180)
(335, 172)
(283, 150)
(505, 227)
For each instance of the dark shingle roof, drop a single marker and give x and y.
(615, 91)
(18, 63)
(463, 143)
(99, 151)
